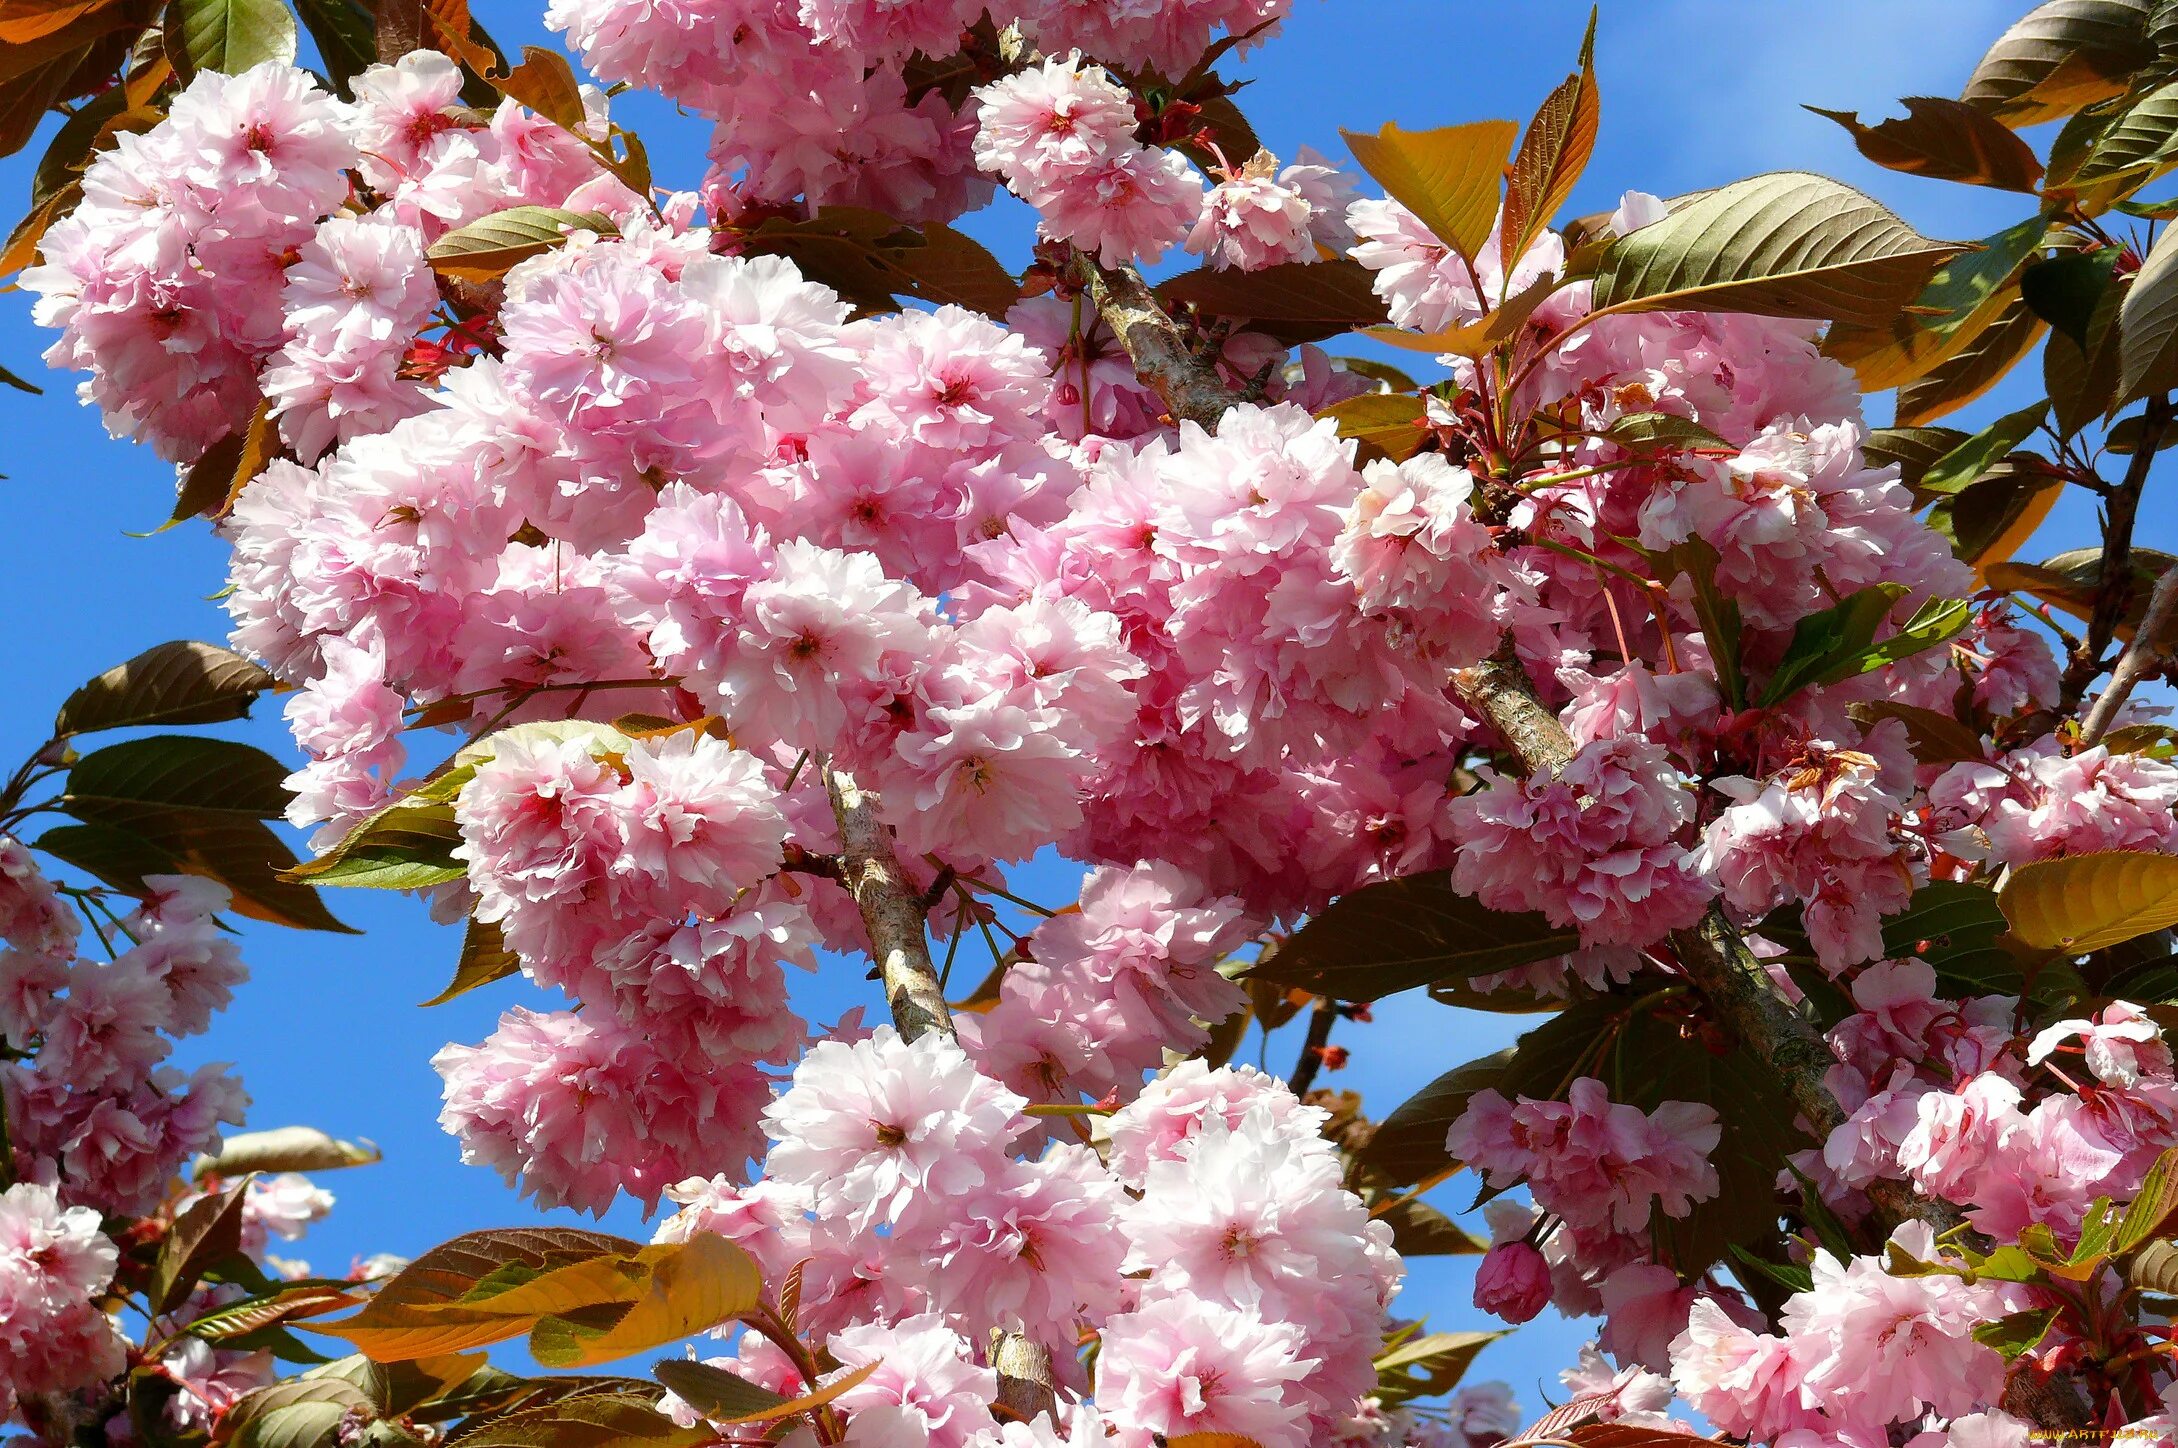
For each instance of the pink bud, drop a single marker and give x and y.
(1513, 1281)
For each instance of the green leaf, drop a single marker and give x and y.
(2080, 371)
(1647, 432)
(1967, 463)
(2137, 145)
(1955, 927)
(1387, 424)
(693, 1286)
(593, 1420)
(1553, 153)
(2148, 325)
(2018, 1333)
(346, 36)
(1838, 643)
(299, 1413)
(484, 959)
(1717, 613)
(1947, 140)
(281, 1149)
(724, 1397)
(1964, 297)
(1974, 369)
(1420, 1230)
(186, 770)
(1834, 639)
(1791, 1276)
(2149, 1213)
(2062, 55)
(489, 246)
(1426, 1366)
(1913, 449)
(228, 36)
(414, 1314)
(211, 1229)
(1295, 302)
(1788, 244)
(1397, 934)
(403, 847)
(183, 682)
(1447, 177)
(127, 841)
(2064, 289)
(285, 1303)
(2084, 903)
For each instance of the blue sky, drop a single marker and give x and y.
(328, 1033)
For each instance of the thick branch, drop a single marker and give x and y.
(1191, 389)
(2114, 583)
(893, 914)
(1320, 1022)
(2146, 655)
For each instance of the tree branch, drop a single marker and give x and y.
(1320, 1022)
(2114, 582)
(2143, 657)
(893, 916)
(1191, 388)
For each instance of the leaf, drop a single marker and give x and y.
(1718, 614)
(1973, 370)
(2082, 903)
(486, 248)
(1426, 1366)
(1646, 432)
(2155, 1269)
(725, 1398)
(594, 1420)
(2139, 143)
(484, 959)
(300, 1413)
(1387, 424)
(413, 1314)
(1947, 140)
(209, 1230)
(128, 841)
(2149, 1213)
(1397, 934)
(1827, 646)
(184, 682)
(546, 83)
(1788, 244)
(2148, 325)
(284, 1148)
(254, 1314)
(408, 845)
(1964, 297)
(702, 1282)
(1553, 153)
(2061, 55)
(346, 35)
(1955, 927)
(1991, 520)
(187, 770)
(1473, 339)
(869, 258)
(1934, 737)
(1967, 463)
(1420, 1230)
(228, 36)
(1911, 448)
(1294, 302)
(1447, 177)
(2071, 580)
(2017, 1333)
(213, 482)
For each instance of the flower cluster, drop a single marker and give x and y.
(1235, 1285)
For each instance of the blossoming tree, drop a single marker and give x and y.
(771, 567)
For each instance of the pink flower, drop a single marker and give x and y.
(700, 821)
(948, 379)
(1163, 1122)
(1745, 1382)
(1181, 1365)
(1051, 118)
(2121, 1044)
(1252, 220)
(927, 1389)
(1513, 1281)
(871, 1127)
(1589, 1159)
(1130, 205)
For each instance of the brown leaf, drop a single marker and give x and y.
(1948, 140)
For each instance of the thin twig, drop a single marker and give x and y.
(2144, 657)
